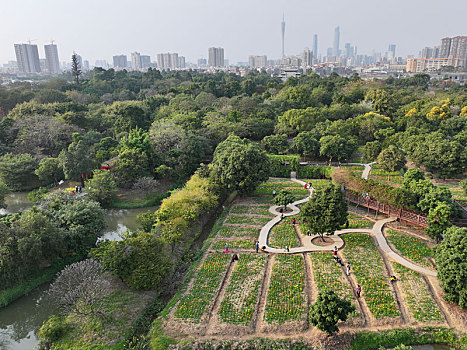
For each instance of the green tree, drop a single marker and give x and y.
(328, 310)
(275, 144)
(3, 192)
(49, 170)
(413, 174)
(17, 171)
(438, 220)
(101, 187)
(391, 159)
(75, 67)
(326, 211)
(140, 260)
(130, 166)
(371, 151)
(335, 147)
(306, 144)
(381, 100)
(239, 165)
(451, 261)
(284, 197)
(463, 185)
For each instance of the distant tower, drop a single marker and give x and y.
(283, 35)
(315, 46)
(392, 48)
(335, 48)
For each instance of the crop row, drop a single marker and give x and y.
(358, 223)
(236, 244)
(235, 231)
(286, 297)
(246, 220)
(367, 265)
(282, 236)
(421, 304)
(194, 304)
(251, 209)
(268, 190)
(241, 295)
(317, 183)
(393, 178)
(410, 247)
(328, 274)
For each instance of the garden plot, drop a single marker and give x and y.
(195, 304)
(367, 266)
(241, 295)
(237, 232)
(246, 220)
(283, 235)
(251, 210)
(233, 244)
(286, 294)
(421, 305)
(410, 247)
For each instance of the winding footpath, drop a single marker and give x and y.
(376, 231)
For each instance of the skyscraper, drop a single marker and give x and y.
(51, 59)
(168, 61)
(216, 57)
(135, 60)
(392, 48)
(315, 46)
(120, 61)
(307, 58)
(283, 35)
(145, 61)
(27, 57)
(337, 37)
(445, 47)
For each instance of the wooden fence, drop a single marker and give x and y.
(402, 214)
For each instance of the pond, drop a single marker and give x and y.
(20, 320)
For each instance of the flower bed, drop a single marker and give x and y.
(421, 304)
(358, 223)
(251, 209)
(367, 265)
(234, 231)
(286, 293)
(237, 244)
(283, 235)
(410, 247)
(246, 220)
(193, 305)
(241, 295)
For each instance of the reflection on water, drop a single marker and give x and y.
(120, 220)
(20, 320)
(15, 202)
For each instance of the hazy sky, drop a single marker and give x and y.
(99, 29)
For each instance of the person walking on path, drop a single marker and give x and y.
(347, 224)
(273, 193)
(294, 221)
(226, 248)
(257, 246)
(308, 232)
(359, 290)
(348, 269)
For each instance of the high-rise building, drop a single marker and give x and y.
(315, 46)
(99, 63)
(216, 57)
(27, 57)
(202, 62)
(307, 58)
(445, 49)
(145, 61)
(283, 35)
(168, 61)
(120, 61)
(85, 65)
(181, 62)
(427, 52)
(416, 65)
(392, 48)
(136, 61)
(258, 61)
(51, 57)
(335, 47)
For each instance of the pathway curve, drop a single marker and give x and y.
(308, 246)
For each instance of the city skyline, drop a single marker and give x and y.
(259, 32)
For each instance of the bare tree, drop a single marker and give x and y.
(80, 288)
(75, 67)
(145, 185)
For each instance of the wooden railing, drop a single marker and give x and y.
(402, 214)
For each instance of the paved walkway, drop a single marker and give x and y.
(376, 231)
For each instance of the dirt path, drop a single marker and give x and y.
(259, 324)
